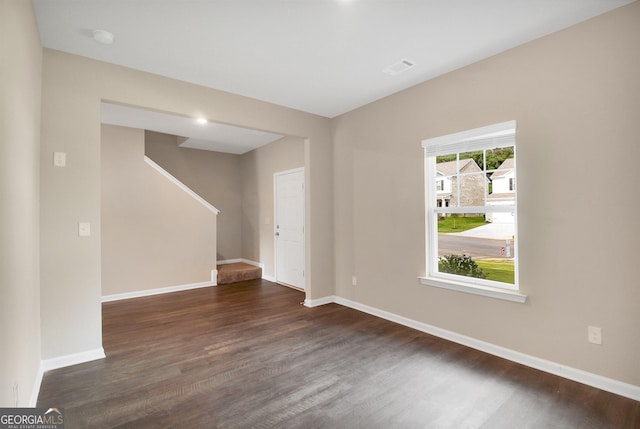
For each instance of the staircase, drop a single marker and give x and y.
(237, 272)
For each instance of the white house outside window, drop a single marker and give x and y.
(470, 182)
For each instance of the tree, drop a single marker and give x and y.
(494, 157)
(497, 156)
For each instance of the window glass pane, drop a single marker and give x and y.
(471, 247)
(502, 176)
(496, 158)
(473, 205)
(476, 156)
(445, 177)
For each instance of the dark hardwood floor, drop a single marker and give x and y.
(248, 355)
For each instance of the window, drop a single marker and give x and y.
(472, 239)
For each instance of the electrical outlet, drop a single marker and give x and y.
(594, 334)
(16, 396)
(354, 281)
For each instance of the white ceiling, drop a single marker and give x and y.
(319, 56)
(208, 136)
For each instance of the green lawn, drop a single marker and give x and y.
(459, 224)
(499, 270)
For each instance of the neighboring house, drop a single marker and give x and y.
(472, 189)
(503, 191)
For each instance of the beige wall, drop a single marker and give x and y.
(575, 95)
(214, 176)
(257, 169)
(20, 86)
(240, 186)
(73, 88)
(154, 234)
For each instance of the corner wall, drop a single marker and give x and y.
(240, 186)
(20, 91)
(154, 235)
(214, 176)
(575, 97)
(73, 88)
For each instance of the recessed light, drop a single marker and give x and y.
(103, 36)
(201, 121)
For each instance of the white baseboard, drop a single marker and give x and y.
(72, 359)
(61, 362)
(321, 301)
(604, 383)
(35, 391)
(271, 279)
(158, 291)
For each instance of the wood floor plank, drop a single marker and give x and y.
(248, 355)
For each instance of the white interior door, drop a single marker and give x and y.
(289, 227)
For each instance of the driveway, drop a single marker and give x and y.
(495, 230)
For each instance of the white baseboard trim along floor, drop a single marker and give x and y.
(584, 377)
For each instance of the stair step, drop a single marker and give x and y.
(237, 272)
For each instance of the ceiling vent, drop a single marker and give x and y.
(399, 67)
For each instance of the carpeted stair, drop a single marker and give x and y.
(237, 272)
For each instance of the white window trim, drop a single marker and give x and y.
(491, 292)
(493, 136)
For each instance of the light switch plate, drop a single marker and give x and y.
(84, 229)
(59, 159)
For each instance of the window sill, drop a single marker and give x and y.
(490, 292)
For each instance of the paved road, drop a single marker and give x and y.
(472, 246)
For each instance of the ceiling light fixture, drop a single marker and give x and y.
(201, 121)
(103, 36)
